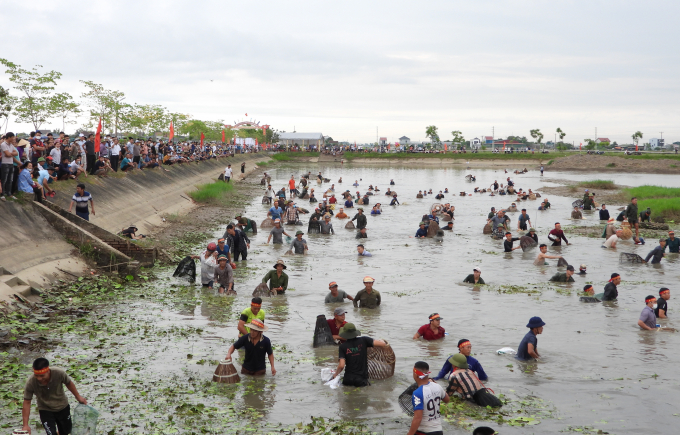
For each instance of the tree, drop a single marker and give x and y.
(522, 139)
(590, 144)
(458, 139)
(105, 104)
(431, 132)
(35, 88)
(193, 128)
(536, 134)
(560, 133)
(7, 105)
(636, 137)
(63, 106)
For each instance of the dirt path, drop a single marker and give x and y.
(584, 162)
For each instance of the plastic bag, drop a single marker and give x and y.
(334, 383)
(506, 351)
(326, 374)
(85, 420)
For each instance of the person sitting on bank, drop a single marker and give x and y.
(611, 292)
(661, 310)
(367, 297)
(431, 331)
(337, 322)
(335, 295)
(363, 252)
(465, 348)
(672, 243)
(647, 319)
(528, 347)
(341, 214)
(276, 279)
(47, 384)
(258, 348)
(564, 277)
(426, 400)
(353, 356)
(224, 276)
(475, 277)
(576, 214)
(448, 227)
(657, 253)
(254, 312)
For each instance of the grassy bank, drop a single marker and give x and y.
(212, 193)
(595, 184)
(288, 156)
(664, 201)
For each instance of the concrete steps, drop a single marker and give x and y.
(11, 285)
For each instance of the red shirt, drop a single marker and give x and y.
(332, 200)
(291, 184)
(334, 328)
(426, 332)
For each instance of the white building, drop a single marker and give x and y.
(475, 143)
(655, 143)
(302, 139)
(404, 140)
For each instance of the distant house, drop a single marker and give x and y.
(475, 143)
(488, 140)
(303, 139)
(382, 141)
(404, 140)
(602, 139)
(655, 143)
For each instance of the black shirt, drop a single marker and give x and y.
(355, 354)
(256, 355)
(661, 305)
(610, 292)
(99, 165)
(507, 244)
(604, 215)
(89, 147)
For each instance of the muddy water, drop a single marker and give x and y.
(598, 369)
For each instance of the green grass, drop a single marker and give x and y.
(598, 184)
(451, 156)
(212, 192)
(263, 163)
(288, 156)
(664, 201)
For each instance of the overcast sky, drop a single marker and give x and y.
(345, 68)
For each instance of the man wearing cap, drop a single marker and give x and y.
(609, 229)
(431, 331)
(672, 243)
(291, 215)
(254, 312)
(556, 235)
(582, 269)
(564, 277)
(327, 226)
(47, 384)
(611, 292)
(657, 253)
(363, 252)
(529, 344)
(367, 297)
(360, 217)
(421, 232)
(661, 310)
(277, 233)
(523, 220)
(276, 279)
(361, 234)
(465, 348)
(224, 276)
(647, 319)
(463, 381)
(426, 400)
(245, 223)
(341, 214)
(299, 245)
(475, 277)
(448, 227)
(604, 213)
(223, 249)
(353, 356)
(208, 260)
(257, 346)
(337, 322)
(336, 295)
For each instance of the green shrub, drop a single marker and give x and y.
(211, 192)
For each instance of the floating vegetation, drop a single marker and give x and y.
(526, 411)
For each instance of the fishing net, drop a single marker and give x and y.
(314, 227)
(562, 262)
(381, 361)
(438, 207)
(186, 269)
(487, 229)
(626, 257)
(350, 225)
(469, 177)
(527, 242)
(322, 333)
(267, 223)
(578, 203)
(511, 189)
(537, 195)
(484, 398)
(406, 401)
(266, 200)
(589, 299)
(432, 229)
(445, 217)
(261, 290)
(85, 420)
(532, 197)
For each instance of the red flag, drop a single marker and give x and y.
(256, 142)
(172, 131)
(579, 146)
(202, 137)
(446, 147)
(97, 137)
(503, 145)
(223, 136)
(246, 114)
(636, 146)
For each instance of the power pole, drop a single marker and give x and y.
(595, 133)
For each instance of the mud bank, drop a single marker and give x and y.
(584, 162)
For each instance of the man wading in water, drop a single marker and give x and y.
(353, 356)
(431, 331)
(475, 277)
(611, 292)
(425, 400)
(360, 218)
(528, 347)
(278, 280)
(367, 298)
(564, 277)
(556, 235)
(258, 347)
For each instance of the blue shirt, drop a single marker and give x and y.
(365, 254)
(475, 366)
(523, 350)
(125, 163)
(433, 218)
(25, 181)
(349, 203)
(43, 174)
(375, 211)
(422, 232)
(276, 212)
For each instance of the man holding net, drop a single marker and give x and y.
(425, 401)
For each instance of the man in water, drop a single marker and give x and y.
(360, 217)
(426, 400)
(475, 277)
(353, 356)
(532, 234)
(465, 348)
(604, 213)
(528, 347)
(394, 201)
(542, 255)
(610, 243)
(632, 215)
(498, 220)
(564, 277)
(509, 241)
(241, 242)
(224, 276)
(556, 235)
(367, 297)
(420, 194)
(258, 347)
(545, 205)
(661, 310)
(277, 279)
(582, 269)
(492, 213)
(299, 245)
(254, 312)
(576, 214)
(277, 233)
(47, 384)
(672, 243)
(341, 214)
(327, 226)
(361, 234)
(363, 252)
(336, 295)
(647, 319)
(523, 220)
(421, 232)
(275, 211)
(611, 292)
(431, 331)
(657, 253)
(337, 322)
(448, 227)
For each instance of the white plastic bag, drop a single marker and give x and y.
(334, 383)
(85, 420)
(326, 374)
(506, 351)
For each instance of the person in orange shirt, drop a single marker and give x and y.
(291, 186)
(342, 214)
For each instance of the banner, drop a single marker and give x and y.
(172, 131)
(446, 147)
(98, 137)
(222, 136)
(202, 138)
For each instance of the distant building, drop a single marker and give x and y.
(488, 140)
(404, 140)
(382, 141)
(602, 139)
(302, 139)
(655, 143)
(475, 143)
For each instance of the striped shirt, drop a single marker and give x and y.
(464, 382)
(81, 201)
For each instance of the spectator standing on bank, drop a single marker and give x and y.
(82, 201)
(9, 152)
(114, 154)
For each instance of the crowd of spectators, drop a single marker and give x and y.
(34, 165)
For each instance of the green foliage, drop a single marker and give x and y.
(288, 156)
(63, 106)
(431, 132)
(7, 105)
(105, 104)
(637, 136)
(560, 133)
(590, 144)
(598, 184)
(212, 192)
(536, 134)
(458, 138)
(664, 201)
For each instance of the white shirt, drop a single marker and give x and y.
(228, 172)
(56, 155)
(613, 239)
(207, 268)
(115, 149)
(427, 399)
(9, 148)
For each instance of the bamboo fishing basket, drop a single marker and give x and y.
(381, 362)
(267, 223)
(226, 373)
(350, 225)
